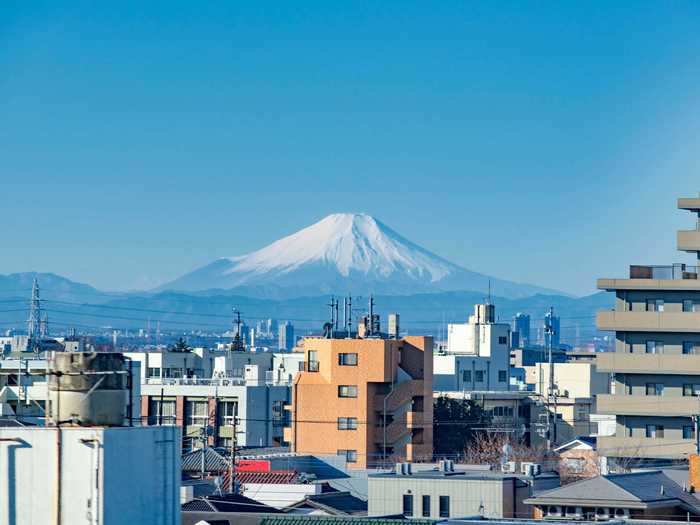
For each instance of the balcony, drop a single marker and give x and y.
(691, 204)
(675, 322)
(671, 364)
(689, 240)
(615, 446)
(637, 405)
(196, 381)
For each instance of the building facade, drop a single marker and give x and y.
(477, 356)
(656, 362)
(369, 400)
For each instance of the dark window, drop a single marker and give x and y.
(502, 376)
(655, 347)
(479, 376)
(349, 455)
(426, 506)
(502, 340)
(347, 423)
(688, 432)
(347, 359)
(655, 431)
(408, 505)
(655, 305)
(655, 389)
(690, 348)
(347, 390)
(313, 361)
(467, 376)
(691, 389)
(444, 506)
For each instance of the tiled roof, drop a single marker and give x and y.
(638, 489)
(214, 460)
(276, 477)
(340, 520)
(336, 503)
(228, 503)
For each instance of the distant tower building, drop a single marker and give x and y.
(552, 322)
(521, 325)
(251, 337)
(286, 336)
(34, 321)
(271, 327)
(394, 327)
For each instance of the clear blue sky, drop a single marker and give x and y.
(543, 142)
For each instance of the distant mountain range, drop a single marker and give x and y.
(344, 252)
(292, 279)
(71, 304)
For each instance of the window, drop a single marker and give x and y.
(690, 348)
(444, 506)
(655, 389)
(347, 423)
(408, 504)
(690, 306)
(655, 305)
(347, 359)
(691, 389)
(349, 455)
(502, 340)
(502, 376)
(655, 347)
(502, 411)
(197, 413)
(688, 432)
(313, 361)
(479, 376)
(154, 411)
(655, 431)
(347, 390)
(228, 410)
(467, 376)
(154, 372)
(426, 506)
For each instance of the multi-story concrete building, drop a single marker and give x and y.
(366, 399)
(521, 327)
(286, 336)
(477, 356)
(657, 355)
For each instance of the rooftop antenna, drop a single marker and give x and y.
(34, 321)
(371, 316)
(488, 300)
(236, 344)
(349, 319)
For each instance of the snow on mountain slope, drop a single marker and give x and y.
(343, 252)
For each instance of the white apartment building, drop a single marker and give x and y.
(477, 356)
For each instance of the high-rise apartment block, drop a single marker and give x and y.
(521, 326)
(369, 400)
(286, 336)
(656, 363)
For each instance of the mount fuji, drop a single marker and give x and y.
(344, 252)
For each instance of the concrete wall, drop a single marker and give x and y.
(137, 473)
(466, 496)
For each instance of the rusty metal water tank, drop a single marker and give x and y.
(87, 389)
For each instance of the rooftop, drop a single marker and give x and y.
(462, 474)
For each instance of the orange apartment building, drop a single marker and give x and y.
(370, 400)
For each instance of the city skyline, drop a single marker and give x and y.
(140, 145)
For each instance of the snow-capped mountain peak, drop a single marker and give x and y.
(343, 252)
(350, 242)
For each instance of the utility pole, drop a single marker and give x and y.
(349, 320)
(551, 394)
(696, 422)
(234, 441)
(370, 318)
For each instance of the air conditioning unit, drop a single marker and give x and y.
(509, 467)
(530, 469)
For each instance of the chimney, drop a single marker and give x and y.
(694, 472)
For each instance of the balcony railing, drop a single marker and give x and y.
(224, 381)
(668, 272)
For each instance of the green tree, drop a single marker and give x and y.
(180, 346)
(455, 423)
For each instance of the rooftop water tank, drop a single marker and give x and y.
(87, 389)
